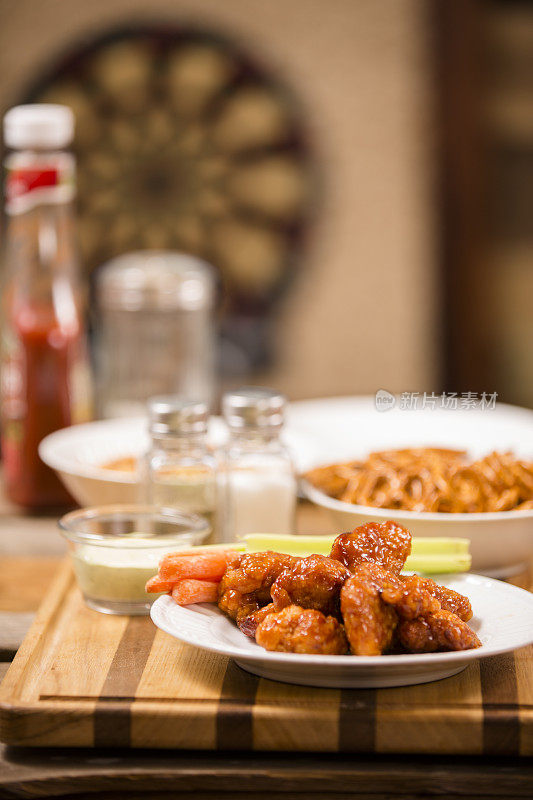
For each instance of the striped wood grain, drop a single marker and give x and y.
(87, 679)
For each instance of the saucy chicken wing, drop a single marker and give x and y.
(248, 623)
(385, 543)
(302, 630)
(448, 598)
(373, 603)
(368, 620)
(440, 631)
(245, 586)
(406, 594)
(311, 582)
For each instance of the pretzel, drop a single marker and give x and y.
(430, 479)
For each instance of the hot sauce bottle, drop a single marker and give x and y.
(44, 371)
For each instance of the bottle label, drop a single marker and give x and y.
(30, 181)
(23, 180)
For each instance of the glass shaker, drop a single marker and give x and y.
(259, 478)
(154, 330)
(179, 471)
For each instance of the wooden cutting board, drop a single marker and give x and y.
(85, 679)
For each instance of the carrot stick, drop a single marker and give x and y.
(157, 584)
(204, 566)
(193, 591)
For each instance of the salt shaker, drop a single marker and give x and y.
(259, 479)
(179, 471)
(154, 330)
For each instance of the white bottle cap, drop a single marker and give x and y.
(41, 125)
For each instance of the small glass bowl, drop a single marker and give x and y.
(115, 549)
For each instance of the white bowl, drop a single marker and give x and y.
(349, 428)
(77, 454)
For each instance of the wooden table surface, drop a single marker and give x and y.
(30, 550)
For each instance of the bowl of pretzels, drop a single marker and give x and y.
(437, 492)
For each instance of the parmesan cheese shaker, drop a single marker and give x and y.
(154, 331)
(258, 474)
(179, 471)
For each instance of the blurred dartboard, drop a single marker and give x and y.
(184, 143)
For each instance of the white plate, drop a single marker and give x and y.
(503, 620)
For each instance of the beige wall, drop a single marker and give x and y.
(362, 314)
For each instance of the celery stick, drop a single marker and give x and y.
(303, 545)
(438, 545)
(437, 555)
(292, 544)
(435, 564)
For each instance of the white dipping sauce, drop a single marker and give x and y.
(117, 573)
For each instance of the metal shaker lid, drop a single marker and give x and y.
(155, 280)
(173, 416)
(254, 407)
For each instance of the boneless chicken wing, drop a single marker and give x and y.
(368, 620)
(302, 630)
(245, 586)
(249, 623)
(311, 582)
(385, 543)
(448, 598)
(372, 602)
(440, 631)
(407, 595)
